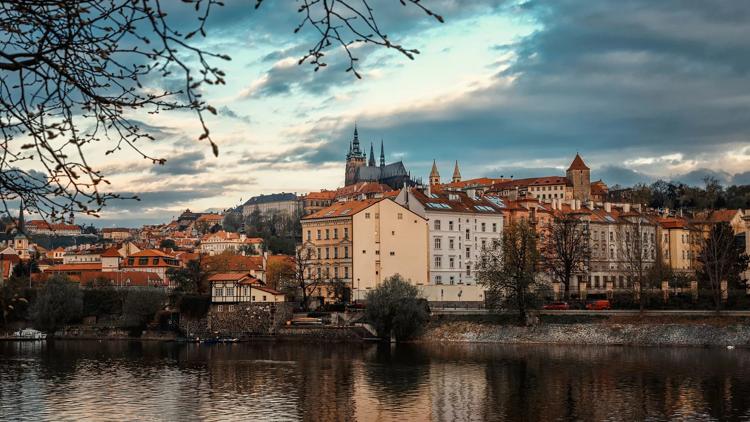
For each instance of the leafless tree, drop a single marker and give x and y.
(306, 279)
(509, 272)
(636, 255)
(721, 258)
(565, 249)
(74, 72)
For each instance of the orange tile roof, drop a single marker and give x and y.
(41, 224)
(343, 209)
(110, 253)
(480, 181)
(233, 263)
(210, 217)
(243, 278)
(268, 290)
(323, 195)
(578, 164)
(722, 216)
(151, 253)
(94, 266)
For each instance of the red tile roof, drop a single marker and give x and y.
(93, 266)
(343, 209)
(242, 278)
(232, 263)
(578, 164)
(326, 195)
(111, 253)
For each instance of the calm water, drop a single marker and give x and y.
(288, 381)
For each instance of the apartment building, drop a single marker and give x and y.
(364, 242)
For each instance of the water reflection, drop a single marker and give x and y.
(343, 382)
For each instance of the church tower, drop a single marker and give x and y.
(354, 159)
(382, 154)
(579, 176)
(434, 175)
(371, 163)
(456, 174)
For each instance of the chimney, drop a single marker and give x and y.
(607, 207)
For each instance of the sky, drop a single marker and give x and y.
(641, 89)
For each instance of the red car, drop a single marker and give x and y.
(598, 305)
(556, 306)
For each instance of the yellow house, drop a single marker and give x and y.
(679, 244)
(364, 242)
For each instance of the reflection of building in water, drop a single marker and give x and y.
(457, 392)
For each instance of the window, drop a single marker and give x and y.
(309, 236)
(611, 236)
(230, 291)
(393, 253)
(453, 279)
(319, 255)
(247, 291)
(450, 225)
(438, 243)
(468, 270)
(346, 232)
(484, 227)
(367, 215)
(400, 216)
(468, 235)
(219, 291)
(264, 298)
(377, 252)
(142, 261)
(346, 272)
(364, 251)
(220, 308)
(320, 273)
(328, 234)
(335, 233)
(438, 279)
(318, 234)
(436, 224)
(335, 252)
(438, 261)
(494, 227)
(231, 308)
(346, 252)
(468, 253)
(335, 272)
(611, 254)
(450, 243)
(451, 262)
(377, 215)
(252, 299)
(328, 253)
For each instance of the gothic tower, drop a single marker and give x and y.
(434, 175)
(354, 159)
(456, 174)
(579, 176)
(382, 154)
(371, 163)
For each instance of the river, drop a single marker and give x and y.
(70, 380)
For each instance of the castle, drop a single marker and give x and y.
(360, 169)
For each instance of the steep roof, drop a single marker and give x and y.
(111, 253)
(151, 253)
(455, 202)
(232, 263)
(343, 209)
(322, 195)
(233, 277)
(578, 164)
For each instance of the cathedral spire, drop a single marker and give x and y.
(382, 154)
(456, 174)
(355, 141)
(371, 163)
(434, 175)
(21, 225)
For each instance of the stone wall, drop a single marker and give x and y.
(243, 321)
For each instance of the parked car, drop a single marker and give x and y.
(556, 306)
(598, 305)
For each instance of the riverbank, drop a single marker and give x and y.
(630, 331)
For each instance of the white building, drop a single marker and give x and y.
(216, 243)
(459, 227)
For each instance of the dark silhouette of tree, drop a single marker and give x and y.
(721, 258)
(72, 72)
(565, 250)
(396, 309)
(509, 272)
(168, 244)
(306, 280)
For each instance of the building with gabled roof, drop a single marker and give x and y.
(364, 242)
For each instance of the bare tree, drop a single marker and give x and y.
(306, 279)
(721, 258)
(74, 72)
(636, 255)
(565, 249)
(510, 272)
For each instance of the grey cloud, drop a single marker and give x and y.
(186, 163)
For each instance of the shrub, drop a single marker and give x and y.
(102, 302)
(140, 306)
(396, 308)
(58, 303)
(193, 305)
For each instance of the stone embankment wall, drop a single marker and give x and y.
(328, 334)
(646, 334)
(243, 321)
